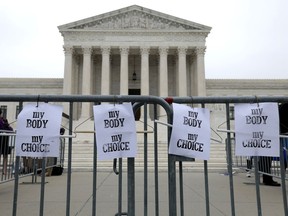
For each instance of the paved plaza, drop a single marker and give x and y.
(107, 195)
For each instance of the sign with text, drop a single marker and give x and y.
(190, 135)
(257, 129)
(115, 131)
(38, 130)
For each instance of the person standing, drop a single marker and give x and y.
(4, 141)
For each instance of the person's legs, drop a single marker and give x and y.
(249, 166)
(1, 161)
(5, 160)
(265, 167)
(267, 179)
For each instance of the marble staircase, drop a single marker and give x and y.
(82, 158)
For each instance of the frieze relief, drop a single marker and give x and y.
(73, 37)
(135, 20)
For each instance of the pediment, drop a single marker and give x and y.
(134, 18)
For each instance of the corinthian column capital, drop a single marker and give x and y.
(163, 50)
(182, 50)
(68, 50)
(144, 50)
(87, 50)
(200, 50)
(105, 50)
(124, 50)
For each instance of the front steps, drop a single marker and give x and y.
(82, 158)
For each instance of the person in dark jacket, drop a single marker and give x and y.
(265, 162)
(4, 142)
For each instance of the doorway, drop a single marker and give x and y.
(136, 92)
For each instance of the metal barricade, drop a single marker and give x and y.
(126, 168)
(231, 159)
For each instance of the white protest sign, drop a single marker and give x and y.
(257, 129)
(38, 130)
(115, 131)
(190, 135)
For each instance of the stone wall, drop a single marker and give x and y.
(215, 87)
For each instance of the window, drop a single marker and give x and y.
(4, 111)
(17, 111)
(136, 92)
(231, 112)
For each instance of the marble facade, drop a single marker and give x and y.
(134, 48)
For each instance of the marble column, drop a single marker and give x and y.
(86, 80)
(68, 70)
(163, 72)
(124, 81)
(68, 75)
(192, 75)
(144, 75)
(182, 73)
(163, 76)
(144, 70)
(105, 77)
(200, 71)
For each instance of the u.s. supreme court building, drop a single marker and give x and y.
(136, 51)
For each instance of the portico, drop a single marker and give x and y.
(134, 48)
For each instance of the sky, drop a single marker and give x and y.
(248, 40)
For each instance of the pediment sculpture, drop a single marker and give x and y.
(135, 20)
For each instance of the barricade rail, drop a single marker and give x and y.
(143, 101)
